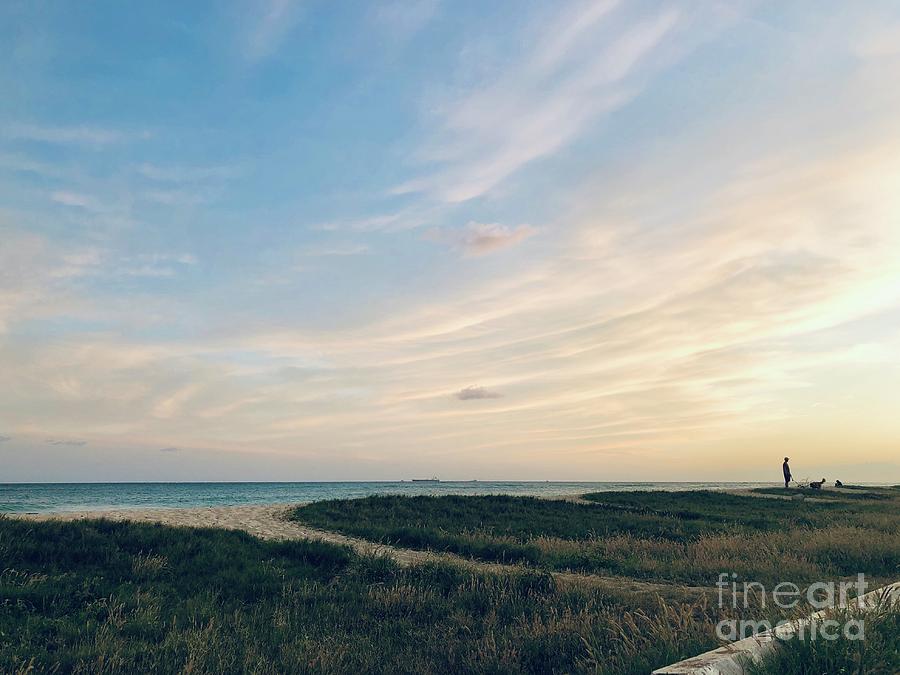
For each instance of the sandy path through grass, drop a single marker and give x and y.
(271, 522)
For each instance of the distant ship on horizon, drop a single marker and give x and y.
(433, 479)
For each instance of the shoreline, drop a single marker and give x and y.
(259, 518)
(206, 513)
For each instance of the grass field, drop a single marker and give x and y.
(104, 597)
(687, 537)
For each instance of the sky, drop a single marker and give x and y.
(559, 240)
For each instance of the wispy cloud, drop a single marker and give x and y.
(377, 223)
(481, 238)
(74, 135)
(582, 67)
(159, 265)
(149, 271)
(334, 250)
(674, 310)
(77, 199)
(34, 273)
(267, 25)
(180, 258)
(183, 185)
(4, 439)
(175, 197)
(66, 442)
(402, 19)
(186, 174)
(474, 393)
(109, 208)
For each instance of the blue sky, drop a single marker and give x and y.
(309, 240)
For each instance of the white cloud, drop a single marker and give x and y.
(74, 135)
(175, 197)
(186, 174)
(402, 19)
(481, 238)
(160, 265)
(111, 208)
(147, 271)
(583, 67)
(682, 305)
(474, 393)
(268, 24)
(34, 274)
(334, 250)
(67, 198)
(381, 222)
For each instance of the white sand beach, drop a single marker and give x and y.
(267, 521)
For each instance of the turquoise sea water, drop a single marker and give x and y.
(48, 497)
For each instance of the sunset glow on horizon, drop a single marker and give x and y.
(599, 241)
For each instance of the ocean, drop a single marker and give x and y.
(53, 497)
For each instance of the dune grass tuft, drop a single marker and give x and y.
(878, 653)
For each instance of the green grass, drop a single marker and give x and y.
(687, 537)
(877, 654)
(103, 597)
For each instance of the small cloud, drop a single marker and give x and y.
(159, 265)
(482, 238)
(148, 271)
(186, 174)
(88, 257)
(474, 393)
(80, 263)
(73, 199)
(171, 449)
(3, 439)
(175, 197)
(80, 135)
(79, 200)
(336, 250)
(402, 19)
(63, 441)
(154, 258)
(273, 20)
(371, 224)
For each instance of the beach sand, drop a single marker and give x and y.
(264, 521)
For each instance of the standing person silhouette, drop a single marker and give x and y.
(786, 470)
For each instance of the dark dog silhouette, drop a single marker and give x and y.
(817, 484)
